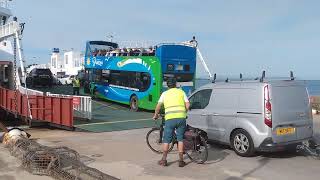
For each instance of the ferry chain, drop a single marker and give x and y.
(15, 75)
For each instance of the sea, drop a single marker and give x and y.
(313, 86)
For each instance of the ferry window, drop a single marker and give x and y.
(200, 99)
(181, 77)
(66, 57)
(179, 67)
(166, 76)
(170, 67)
(187, 67)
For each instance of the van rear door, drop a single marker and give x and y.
(291, 117)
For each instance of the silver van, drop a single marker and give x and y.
(253, 116)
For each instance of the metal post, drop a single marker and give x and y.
(204, 63)
(23, 70)
(19, 47)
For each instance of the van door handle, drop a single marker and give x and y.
(210, 114)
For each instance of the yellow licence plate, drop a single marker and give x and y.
(285, 131)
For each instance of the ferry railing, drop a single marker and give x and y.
(81, 104)
(9, 29)
(31, 92)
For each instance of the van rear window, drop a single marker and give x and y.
(44, 71)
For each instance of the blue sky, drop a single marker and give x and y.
(234, 36)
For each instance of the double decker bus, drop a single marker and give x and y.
(136, 76)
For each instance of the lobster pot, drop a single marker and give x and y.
(39, 162)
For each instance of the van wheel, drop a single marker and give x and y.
(134, 103)
(241, 143)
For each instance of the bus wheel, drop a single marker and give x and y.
(134, 103)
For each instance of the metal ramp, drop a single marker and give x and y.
(108, 116)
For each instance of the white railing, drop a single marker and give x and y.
(81, 104)
(30, 92)
(9, 29)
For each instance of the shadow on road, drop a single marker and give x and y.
(280, 155)
(262, 163)
(216, 153)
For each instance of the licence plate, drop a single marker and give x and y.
(285, 131)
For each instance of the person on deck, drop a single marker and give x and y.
(76, 85)
(176, 105)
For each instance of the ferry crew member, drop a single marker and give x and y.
(76, 85)
(176, 105)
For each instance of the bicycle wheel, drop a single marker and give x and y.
(154, 141)
(199, 154)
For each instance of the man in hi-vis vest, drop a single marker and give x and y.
(176, 105)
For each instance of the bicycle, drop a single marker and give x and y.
(195, 142)
(310, 148)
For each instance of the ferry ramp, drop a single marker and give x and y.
(108, 116)
(59, 111)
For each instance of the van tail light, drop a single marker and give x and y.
(267, 107)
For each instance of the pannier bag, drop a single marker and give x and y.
(191, 139)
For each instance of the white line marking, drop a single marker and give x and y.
(106, 105)
(113, 122)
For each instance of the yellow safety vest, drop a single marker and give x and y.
(174, 105)
(76, 83)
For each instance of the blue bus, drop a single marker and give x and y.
(136, 76)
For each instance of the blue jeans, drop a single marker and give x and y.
(174, 124)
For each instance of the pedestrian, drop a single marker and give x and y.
(193, 41)
(176, 105)
(76, 85)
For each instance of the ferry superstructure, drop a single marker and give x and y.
(11, 54)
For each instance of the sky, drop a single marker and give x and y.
(246, 36)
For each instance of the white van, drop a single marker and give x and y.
(253, 116)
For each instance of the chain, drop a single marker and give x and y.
(15, 74)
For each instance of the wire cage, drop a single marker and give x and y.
(40, 161)
(22, 146)
(61, 163)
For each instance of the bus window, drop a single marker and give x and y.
(137, 80)
(187, 67)
(105, 76)
(97, 75)
(145, 79)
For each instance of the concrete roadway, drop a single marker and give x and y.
(124, 154)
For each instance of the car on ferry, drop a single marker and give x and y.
(253, 116)
(39, 77)
(66, 79)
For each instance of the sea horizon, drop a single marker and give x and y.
(313, 86)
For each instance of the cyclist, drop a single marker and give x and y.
(176, 105)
